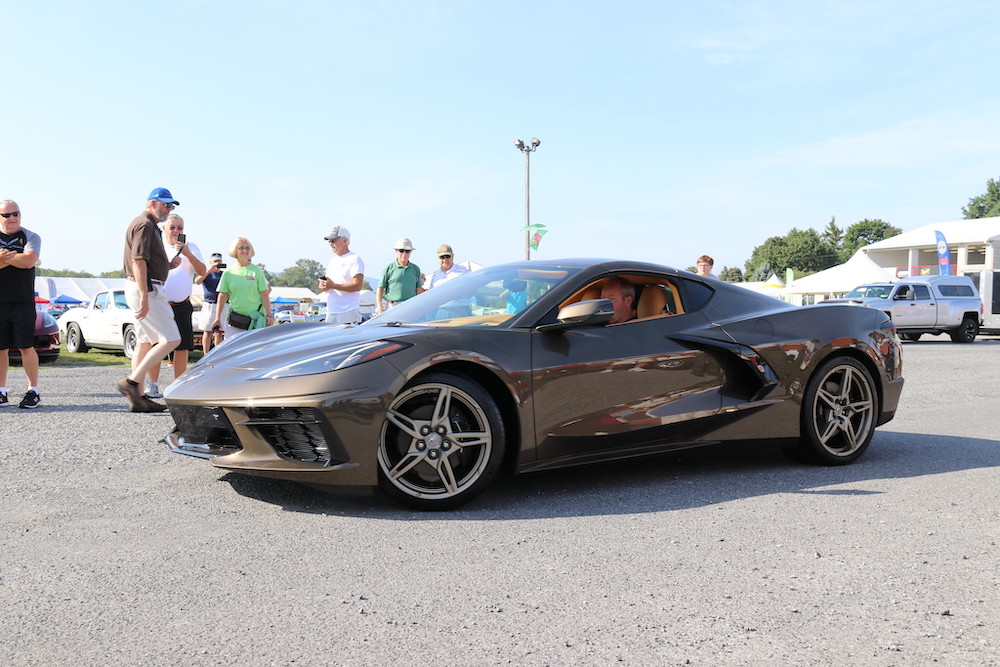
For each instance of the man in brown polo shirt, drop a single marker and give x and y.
(146, 266)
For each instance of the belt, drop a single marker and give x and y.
(177, 303)
(152, 280)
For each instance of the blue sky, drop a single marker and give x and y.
(668, 129)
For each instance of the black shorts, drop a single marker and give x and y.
(182, 315)
(17, 325)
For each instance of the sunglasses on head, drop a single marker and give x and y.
(16, 214)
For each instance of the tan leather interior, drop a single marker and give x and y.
(652, 302)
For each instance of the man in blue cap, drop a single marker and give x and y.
(146, 266)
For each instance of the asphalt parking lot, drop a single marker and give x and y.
(115, 551)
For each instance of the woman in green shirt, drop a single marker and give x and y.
(245, 289)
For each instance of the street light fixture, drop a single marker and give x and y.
(527, 150)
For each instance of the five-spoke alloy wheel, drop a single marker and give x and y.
(441, 444)
(839, 412)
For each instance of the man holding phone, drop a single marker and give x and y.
(345, 276)
(210, 284)
(185, 264)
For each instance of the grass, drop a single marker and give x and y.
(106, 358)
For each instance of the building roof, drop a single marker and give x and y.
(979, 230)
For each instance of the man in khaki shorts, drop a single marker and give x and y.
(146, 266)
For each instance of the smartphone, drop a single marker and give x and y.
(182, 238)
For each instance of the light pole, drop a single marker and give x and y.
(527, 150)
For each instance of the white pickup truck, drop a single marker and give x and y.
(925, 305)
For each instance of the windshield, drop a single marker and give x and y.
(870, 292)
(488, 297)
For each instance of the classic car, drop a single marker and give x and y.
(435, 397)
(107, 323)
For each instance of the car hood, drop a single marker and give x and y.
(279, 345)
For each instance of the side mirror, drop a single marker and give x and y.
(589, 313)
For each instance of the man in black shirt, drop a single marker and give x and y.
(19, 250)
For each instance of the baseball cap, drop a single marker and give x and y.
(336, 233)
(445, 249)
(163, 195)
(403, 243)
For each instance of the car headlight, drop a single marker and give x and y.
(343, 357)
(48, 320)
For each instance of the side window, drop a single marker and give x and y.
(120, 301)
(102, 301)
(903, 292)
(922, 292)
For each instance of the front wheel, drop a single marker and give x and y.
(74, 339)
(442, 443)
(129, 341)
(967, 332)
(839, 411)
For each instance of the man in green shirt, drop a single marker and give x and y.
(401, 279)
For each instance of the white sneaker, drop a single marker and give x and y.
(153, 390)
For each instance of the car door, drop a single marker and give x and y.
(606, 391)
(95, 327)
(118, 316)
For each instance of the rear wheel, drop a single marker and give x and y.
(967, 332)
(74, 339)
(129, 341)
(442, 443)
(839, 411)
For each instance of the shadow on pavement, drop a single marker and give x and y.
(677, 481)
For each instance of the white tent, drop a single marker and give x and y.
(773, 286)
(841, 279)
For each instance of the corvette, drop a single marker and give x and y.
(515, 367)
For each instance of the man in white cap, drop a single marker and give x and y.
(345, 275)
(401, 279)
(449, 269)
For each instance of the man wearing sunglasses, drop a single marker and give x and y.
(401, 279)
(449, 269)
(19, 250)
(345, 276)
(146, 267)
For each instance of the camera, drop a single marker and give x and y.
(182, 238)
(222, 265)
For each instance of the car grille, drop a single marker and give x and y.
(204, 425)
(299, 434)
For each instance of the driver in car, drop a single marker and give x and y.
(622, 295)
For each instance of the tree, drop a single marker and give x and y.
(732, 274)
(112, 274)
(802, 250)
(832, 235)
(985, 205)
(862, 233)
(62, 273)
(304, 273)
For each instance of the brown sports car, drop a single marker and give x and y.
(516, 366)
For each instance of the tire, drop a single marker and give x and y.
(967, 332)
(910, 336)
(442, 443)
(839, 412)
(129, 341)
(74, 339)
